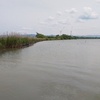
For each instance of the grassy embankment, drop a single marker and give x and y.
(14, 40)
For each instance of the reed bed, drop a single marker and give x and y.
(15, 40)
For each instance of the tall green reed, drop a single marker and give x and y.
(15, 40)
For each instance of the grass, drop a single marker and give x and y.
(15, 40)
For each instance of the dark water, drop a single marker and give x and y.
(52, 70)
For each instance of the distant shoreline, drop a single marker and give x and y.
(15, 40)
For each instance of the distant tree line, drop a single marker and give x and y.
(63, 37)
(55, 37)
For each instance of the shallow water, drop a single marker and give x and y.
(52, 70)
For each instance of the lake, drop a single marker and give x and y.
(52, 70)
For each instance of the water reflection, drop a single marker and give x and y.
(10, 58)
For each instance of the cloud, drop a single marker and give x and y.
(64, 21)
(48, 21)
(94, 26)
(97, 1)
(73, 10)
(43, 23)
(54, 24)
(26, 28)
(59, 13)
(80, 20)
(88, 14)
(50, 18)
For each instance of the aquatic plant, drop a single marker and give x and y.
(15, 40)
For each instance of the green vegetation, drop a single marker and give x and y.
(15, 40)
(63, 37)
(56, 37)
(38, 35)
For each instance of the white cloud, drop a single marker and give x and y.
(54, 24)
(94, 26)
(51, 18)
(43, 23)
(80, 20)
(97, 1)
(48, 14)
(26, 28)
(73, 10)
(64, 21)
(87, 9)
(59, 13)
(88, 14)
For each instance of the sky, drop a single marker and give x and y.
(75, 17)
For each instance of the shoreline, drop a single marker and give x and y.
(16, 41)
(25, 45)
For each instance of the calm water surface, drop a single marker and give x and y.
(52, 70)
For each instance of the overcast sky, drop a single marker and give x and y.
(82, 17)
